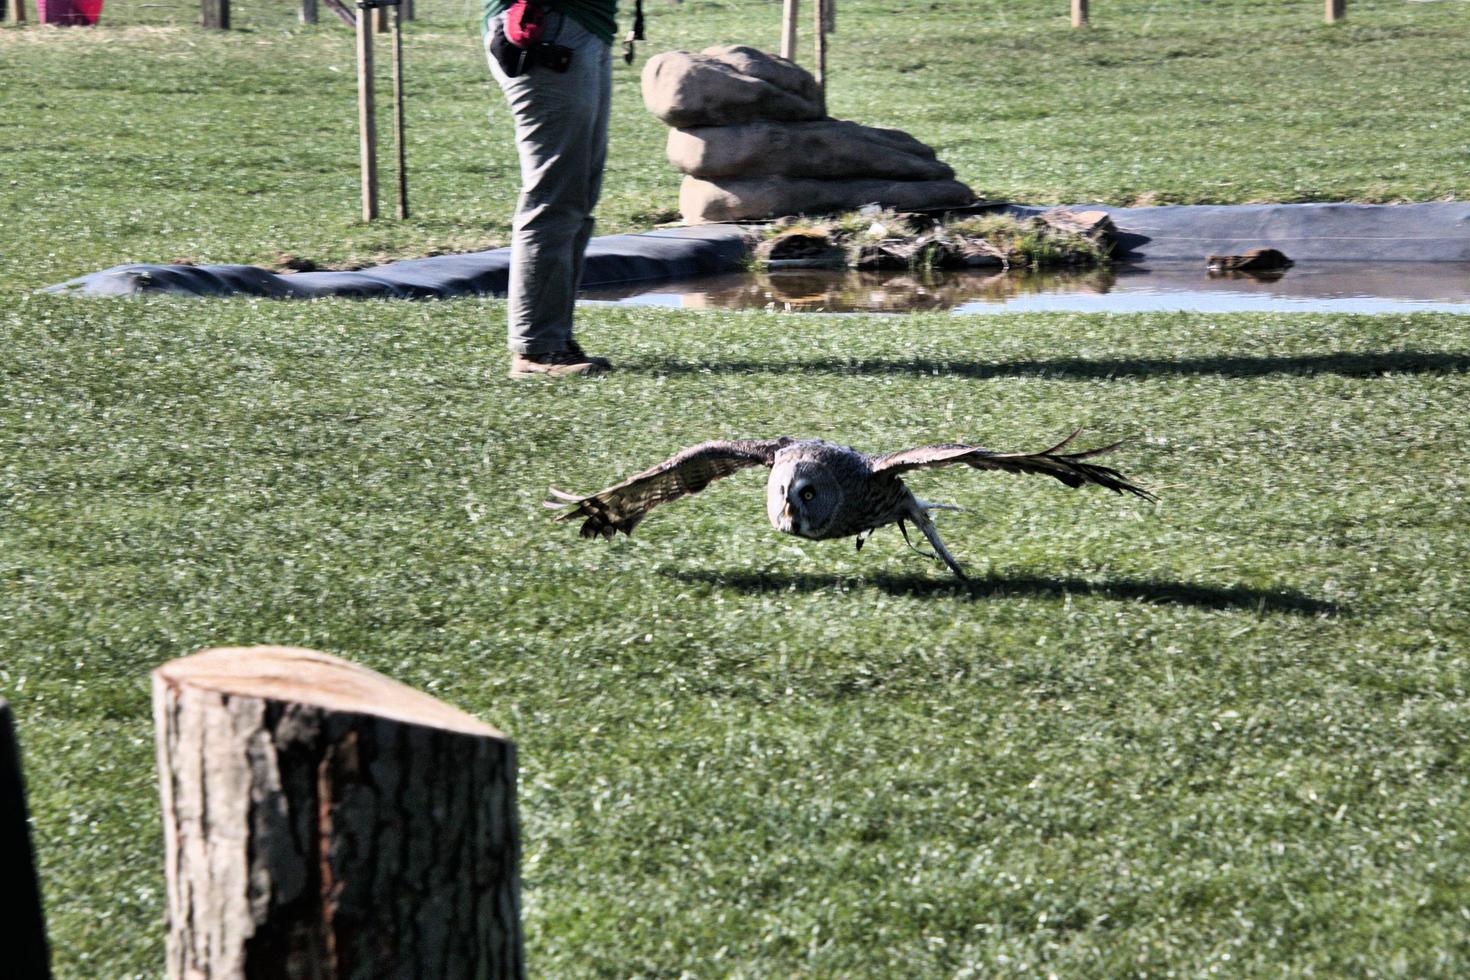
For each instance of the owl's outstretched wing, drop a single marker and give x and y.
(621, 507)
(1067, 467)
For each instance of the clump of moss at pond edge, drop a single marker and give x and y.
(870, 239)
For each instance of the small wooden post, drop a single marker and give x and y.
(829, 16)
(819, 28)
(367, 123)
(1335, 11)
(15, 11)
(407, 6)
(322, 821)
(1079, 13)
(398, 137)
(380, 18)
(215, 14)
(308, 12)
(789, 12)
(26, 954)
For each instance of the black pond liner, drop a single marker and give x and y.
(1131, 287)
(1430, 232)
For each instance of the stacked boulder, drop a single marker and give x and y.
(752, 136)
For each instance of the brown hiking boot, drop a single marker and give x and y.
(558, 364)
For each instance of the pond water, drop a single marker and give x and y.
(1323, 287)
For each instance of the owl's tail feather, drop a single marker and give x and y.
(919, 514)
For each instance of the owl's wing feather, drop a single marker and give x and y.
(1066, 467)
(622, 507)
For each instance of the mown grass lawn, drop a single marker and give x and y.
(1144, 738)
(1224, 733)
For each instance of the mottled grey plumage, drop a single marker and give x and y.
(819, 490)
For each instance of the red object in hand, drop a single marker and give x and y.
(73, 12)
(525, 22)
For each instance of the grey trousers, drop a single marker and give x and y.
(561, 138)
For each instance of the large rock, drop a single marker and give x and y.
(754, 198)
(830, 148)
(722, 86)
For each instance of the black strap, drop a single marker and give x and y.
(636, 34)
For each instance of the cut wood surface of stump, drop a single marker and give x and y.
(324, 821)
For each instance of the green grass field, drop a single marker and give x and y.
(1224, 734)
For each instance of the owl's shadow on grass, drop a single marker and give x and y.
(999, 586)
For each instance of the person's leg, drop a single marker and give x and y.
(561, 131)
(598, 160)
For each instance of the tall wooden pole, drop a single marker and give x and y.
(26, 956)
(398, 137)
(1335, 11)
(15, 11)
(215, 14)
(308, 11)
(790, 10)
(1079, 13)
(322, 821)
(367, 124)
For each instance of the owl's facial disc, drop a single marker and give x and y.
(800, 500)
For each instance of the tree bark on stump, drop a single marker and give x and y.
(324, 821)
(26, 956)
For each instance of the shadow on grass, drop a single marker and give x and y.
(1043, 586)
(1361, 364)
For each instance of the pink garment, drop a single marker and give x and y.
(525, 22)
(72, 12)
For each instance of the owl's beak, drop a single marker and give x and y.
(788, 519)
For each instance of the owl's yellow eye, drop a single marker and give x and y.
(807, 493)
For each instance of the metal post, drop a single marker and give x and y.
(398, 140)
(366, 117)
(819, 27)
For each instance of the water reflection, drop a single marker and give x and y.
(1341, 287)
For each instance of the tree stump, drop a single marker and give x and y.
(26, 956)
(324, 821)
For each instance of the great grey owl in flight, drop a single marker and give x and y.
(818, 490)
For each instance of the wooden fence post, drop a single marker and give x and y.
(1335, 11)
(308, 12)
(367, 123)
(26, 956)
(1079, 13)
(789, 12)
(15, 11)
(323, 821)
(215, 14)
